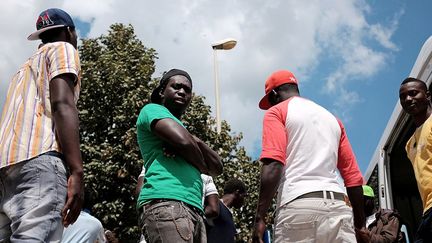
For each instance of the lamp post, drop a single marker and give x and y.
(225, 44)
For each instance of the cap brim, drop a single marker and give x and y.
(264, 103)
(35, 35)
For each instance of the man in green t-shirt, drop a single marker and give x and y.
(170, 199)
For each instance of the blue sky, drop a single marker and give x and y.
(349, 56)
(380, 94)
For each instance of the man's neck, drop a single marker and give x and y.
(227, 200)
(288, 94)
(177, 114)
(421, 118)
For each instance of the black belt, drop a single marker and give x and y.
(55, 154)
(320, 194)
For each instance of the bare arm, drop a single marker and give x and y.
(65, 115)
(211, 158)
(211, 207)
(139, 185)
(355, 195)
(271, 172)
(181, 141)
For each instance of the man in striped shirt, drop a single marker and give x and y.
(39, 138)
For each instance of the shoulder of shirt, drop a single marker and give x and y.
(153, 106)
(205, 177)
(56, 46)
(428, 122)
(53, 45)
(284, 103)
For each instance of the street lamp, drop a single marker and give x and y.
(225, 44)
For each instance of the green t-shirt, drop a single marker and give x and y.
(165, 178)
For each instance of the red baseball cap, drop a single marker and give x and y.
(275, 80)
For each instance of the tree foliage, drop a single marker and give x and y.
(116, 84)
(116, 77)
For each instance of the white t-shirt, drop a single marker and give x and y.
(312, 145)
(86, 229)
(209, 187)
(369, 220)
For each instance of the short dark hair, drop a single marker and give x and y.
(411, 79)
(289, 87)
(89, 198)
(233, 185)
(52, 34)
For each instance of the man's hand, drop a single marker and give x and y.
(168, 150)
(258, 231)
(211, 158)
(271, 172)
(180, 142)
(74, 200)
(196, 139)
(362, 235)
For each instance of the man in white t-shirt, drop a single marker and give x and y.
(303, 147)
(87, 228)
(210, 198)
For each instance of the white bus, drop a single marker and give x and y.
(390, 172)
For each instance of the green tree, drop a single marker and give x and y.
(116, 77)
(116, 84)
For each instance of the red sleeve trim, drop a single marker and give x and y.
(347, 163)
(275, 139)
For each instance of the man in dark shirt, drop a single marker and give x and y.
(222, 228)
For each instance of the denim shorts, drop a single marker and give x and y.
(32, 195)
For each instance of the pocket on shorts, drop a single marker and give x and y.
(169, 212)
(347, 229)
(300, 232)
(28, 190)
(165, 219)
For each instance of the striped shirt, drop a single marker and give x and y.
(27, 128)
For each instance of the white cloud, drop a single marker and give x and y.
(296, 35)
(344, 100)
(383, 34)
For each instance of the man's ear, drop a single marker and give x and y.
(428, 95)
(68, 34)
(276, 96)
(161, 93)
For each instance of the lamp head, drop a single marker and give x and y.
(225, 44)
